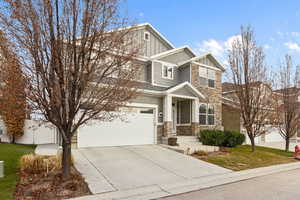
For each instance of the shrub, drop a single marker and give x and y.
(212, 137)
(233, 138)
(32, 163)
(221, 138)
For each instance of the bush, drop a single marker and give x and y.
(212, 137)
(233, 138)
(32, 163)
(221, 138)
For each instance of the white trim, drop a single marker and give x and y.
(172, 51)
(202, 56)
(207, 66)
(183, 85)
(187, 124)
(165, 86)
(183, 96)
(157, 32)
(152, 73)
(206, 114)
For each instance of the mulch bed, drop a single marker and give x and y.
(50, 186)
(222, 151)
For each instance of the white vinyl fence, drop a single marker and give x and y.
(35, 132)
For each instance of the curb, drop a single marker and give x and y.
(159, 191)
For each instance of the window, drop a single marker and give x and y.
(167, 72)
(146, 111)
(206, 114)
(207, 77)
(146, 36)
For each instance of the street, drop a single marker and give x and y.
(280, 186)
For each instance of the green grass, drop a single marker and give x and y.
(241, 158)
(10, 154)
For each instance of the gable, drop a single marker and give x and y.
(207, 60)
(156, 43)
(185, 91)
(178, 57)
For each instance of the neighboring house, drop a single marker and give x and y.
(179, 94)
(232, 119)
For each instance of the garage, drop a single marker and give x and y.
(136, 126)
(273, 135)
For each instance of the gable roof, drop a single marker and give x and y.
(214, 59)
(156, 32)
(173, 51)
(185, 84)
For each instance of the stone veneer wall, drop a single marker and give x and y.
(214, 95)
(159, 133)
(184, 131)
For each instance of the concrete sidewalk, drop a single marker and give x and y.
(164, 190)
(47, 149)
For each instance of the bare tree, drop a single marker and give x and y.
(78, 57)
(287, 104)
(249, 74)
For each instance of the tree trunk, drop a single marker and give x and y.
(253, 148)
(287, 144)
(13, 140)
(66, 159)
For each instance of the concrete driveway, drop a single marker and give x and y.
(109, 169)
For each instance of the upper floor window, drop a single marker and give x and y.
(207, 77)
(167, 71)
(206, 114)
(146, 36)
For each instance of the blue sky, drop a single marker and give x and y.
(207, 25)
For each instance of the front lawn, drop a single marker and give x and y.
(241, 157)
(10, 154)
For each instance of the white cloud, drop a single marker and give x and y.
(217, 48)
(292, 46)
(212, 46)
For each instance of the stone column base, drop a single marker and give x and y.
(167, 132)
(195, 128)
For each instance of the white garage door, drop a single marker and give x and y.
(135, 128)
(273, 135)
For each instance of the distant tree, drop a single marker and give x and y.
(12, 91)
(77, 67)
(287, 103)
(249, 74)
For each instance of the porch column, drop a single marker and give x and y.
(167, 116)
(195, 117)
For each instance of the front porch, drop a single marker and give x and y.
(181, 111)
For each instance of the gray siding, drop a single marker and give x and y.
(207, 61)
(185, 73)
(143, 73)
(158, 79)
(151, 100)
(178, 57)
(154, 46)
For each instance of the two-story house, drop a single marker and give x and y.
(180, 93)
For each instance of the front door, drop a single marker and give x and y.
(174, 118)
